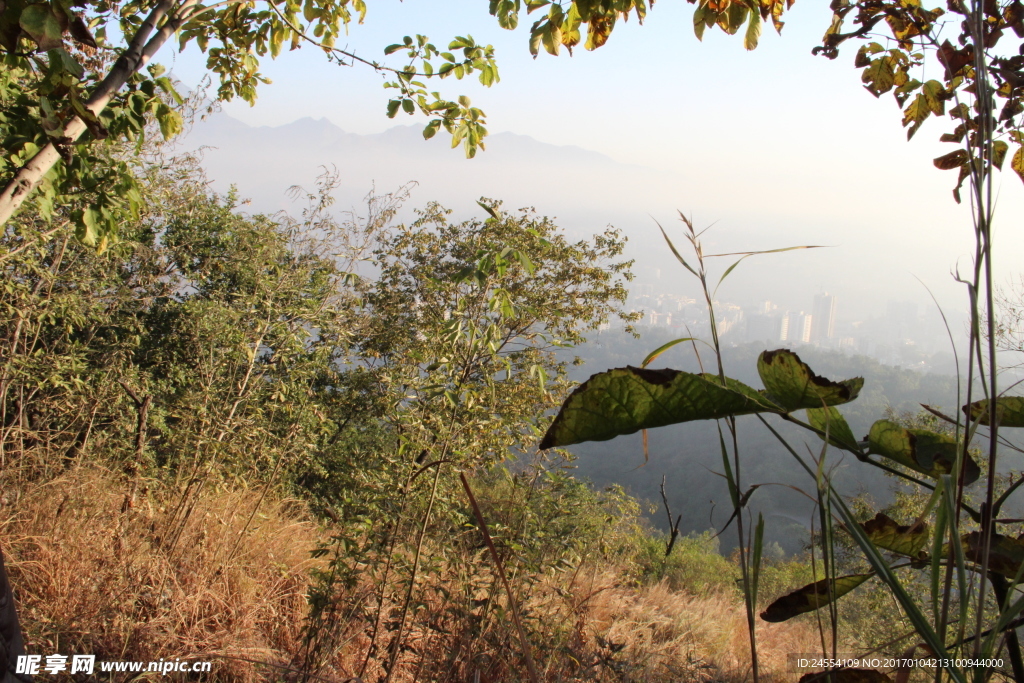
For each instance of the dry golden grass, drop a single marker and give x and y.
(590, 628)
(665, 630)
(94, 577)
(664, 635)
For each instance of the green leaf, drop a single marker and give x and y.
(675, 252)
(167, 86)
(662, 349)
(40, 23)
(880, 75)
(92, 122)
(790, 383)
(87, 227)
(830, 420)
(755, 574)
(490, 210)
(753, 31)
(733, 17)
(67, 62)
(551, 37)
(895, 584)
(431, 129)
(1009, 411)
(170, 121)
(811, 597)
(698, 21)
(934, 92)
(919, 449)
(734, 492)
(904, 540)
(626, 400)
(525, 262)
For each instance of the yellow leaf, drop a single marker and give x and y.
(1017, 164)
(999, 149)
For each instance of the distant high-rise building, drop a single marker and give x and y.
(823, 326)
(796, 327)
(806, 327)
(784, 327)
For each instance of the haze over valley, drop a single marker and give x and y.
(880, 310)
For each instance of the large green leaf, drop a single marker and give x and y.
(1009, 409)
(789, 382)
(811, 597)
(885, 533)
(831, 421)
(919, 449)
(43, 25)
(626, 400)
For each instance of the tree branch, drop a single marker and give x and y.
(140, 50)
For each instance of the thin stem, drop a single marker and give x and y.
(981, 183)
(701, 273)
(513, 606)
(397, 643)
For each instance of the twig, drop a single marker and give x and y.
(530, 666)
(673, 528)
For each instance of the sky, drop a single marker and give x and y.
(774, 146)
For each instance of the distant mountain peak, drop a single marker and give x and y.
(309, 122)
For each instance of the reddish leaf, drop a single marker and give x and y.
(1014, 16)
(947, 162)
(954, 60)
(80, 32)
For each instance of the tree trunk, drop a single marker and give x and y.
(140, 50)
(11, 643)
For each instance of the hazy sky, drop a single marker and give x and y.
(776, 145)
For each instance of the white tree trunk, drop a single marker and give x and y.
(140, 50)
